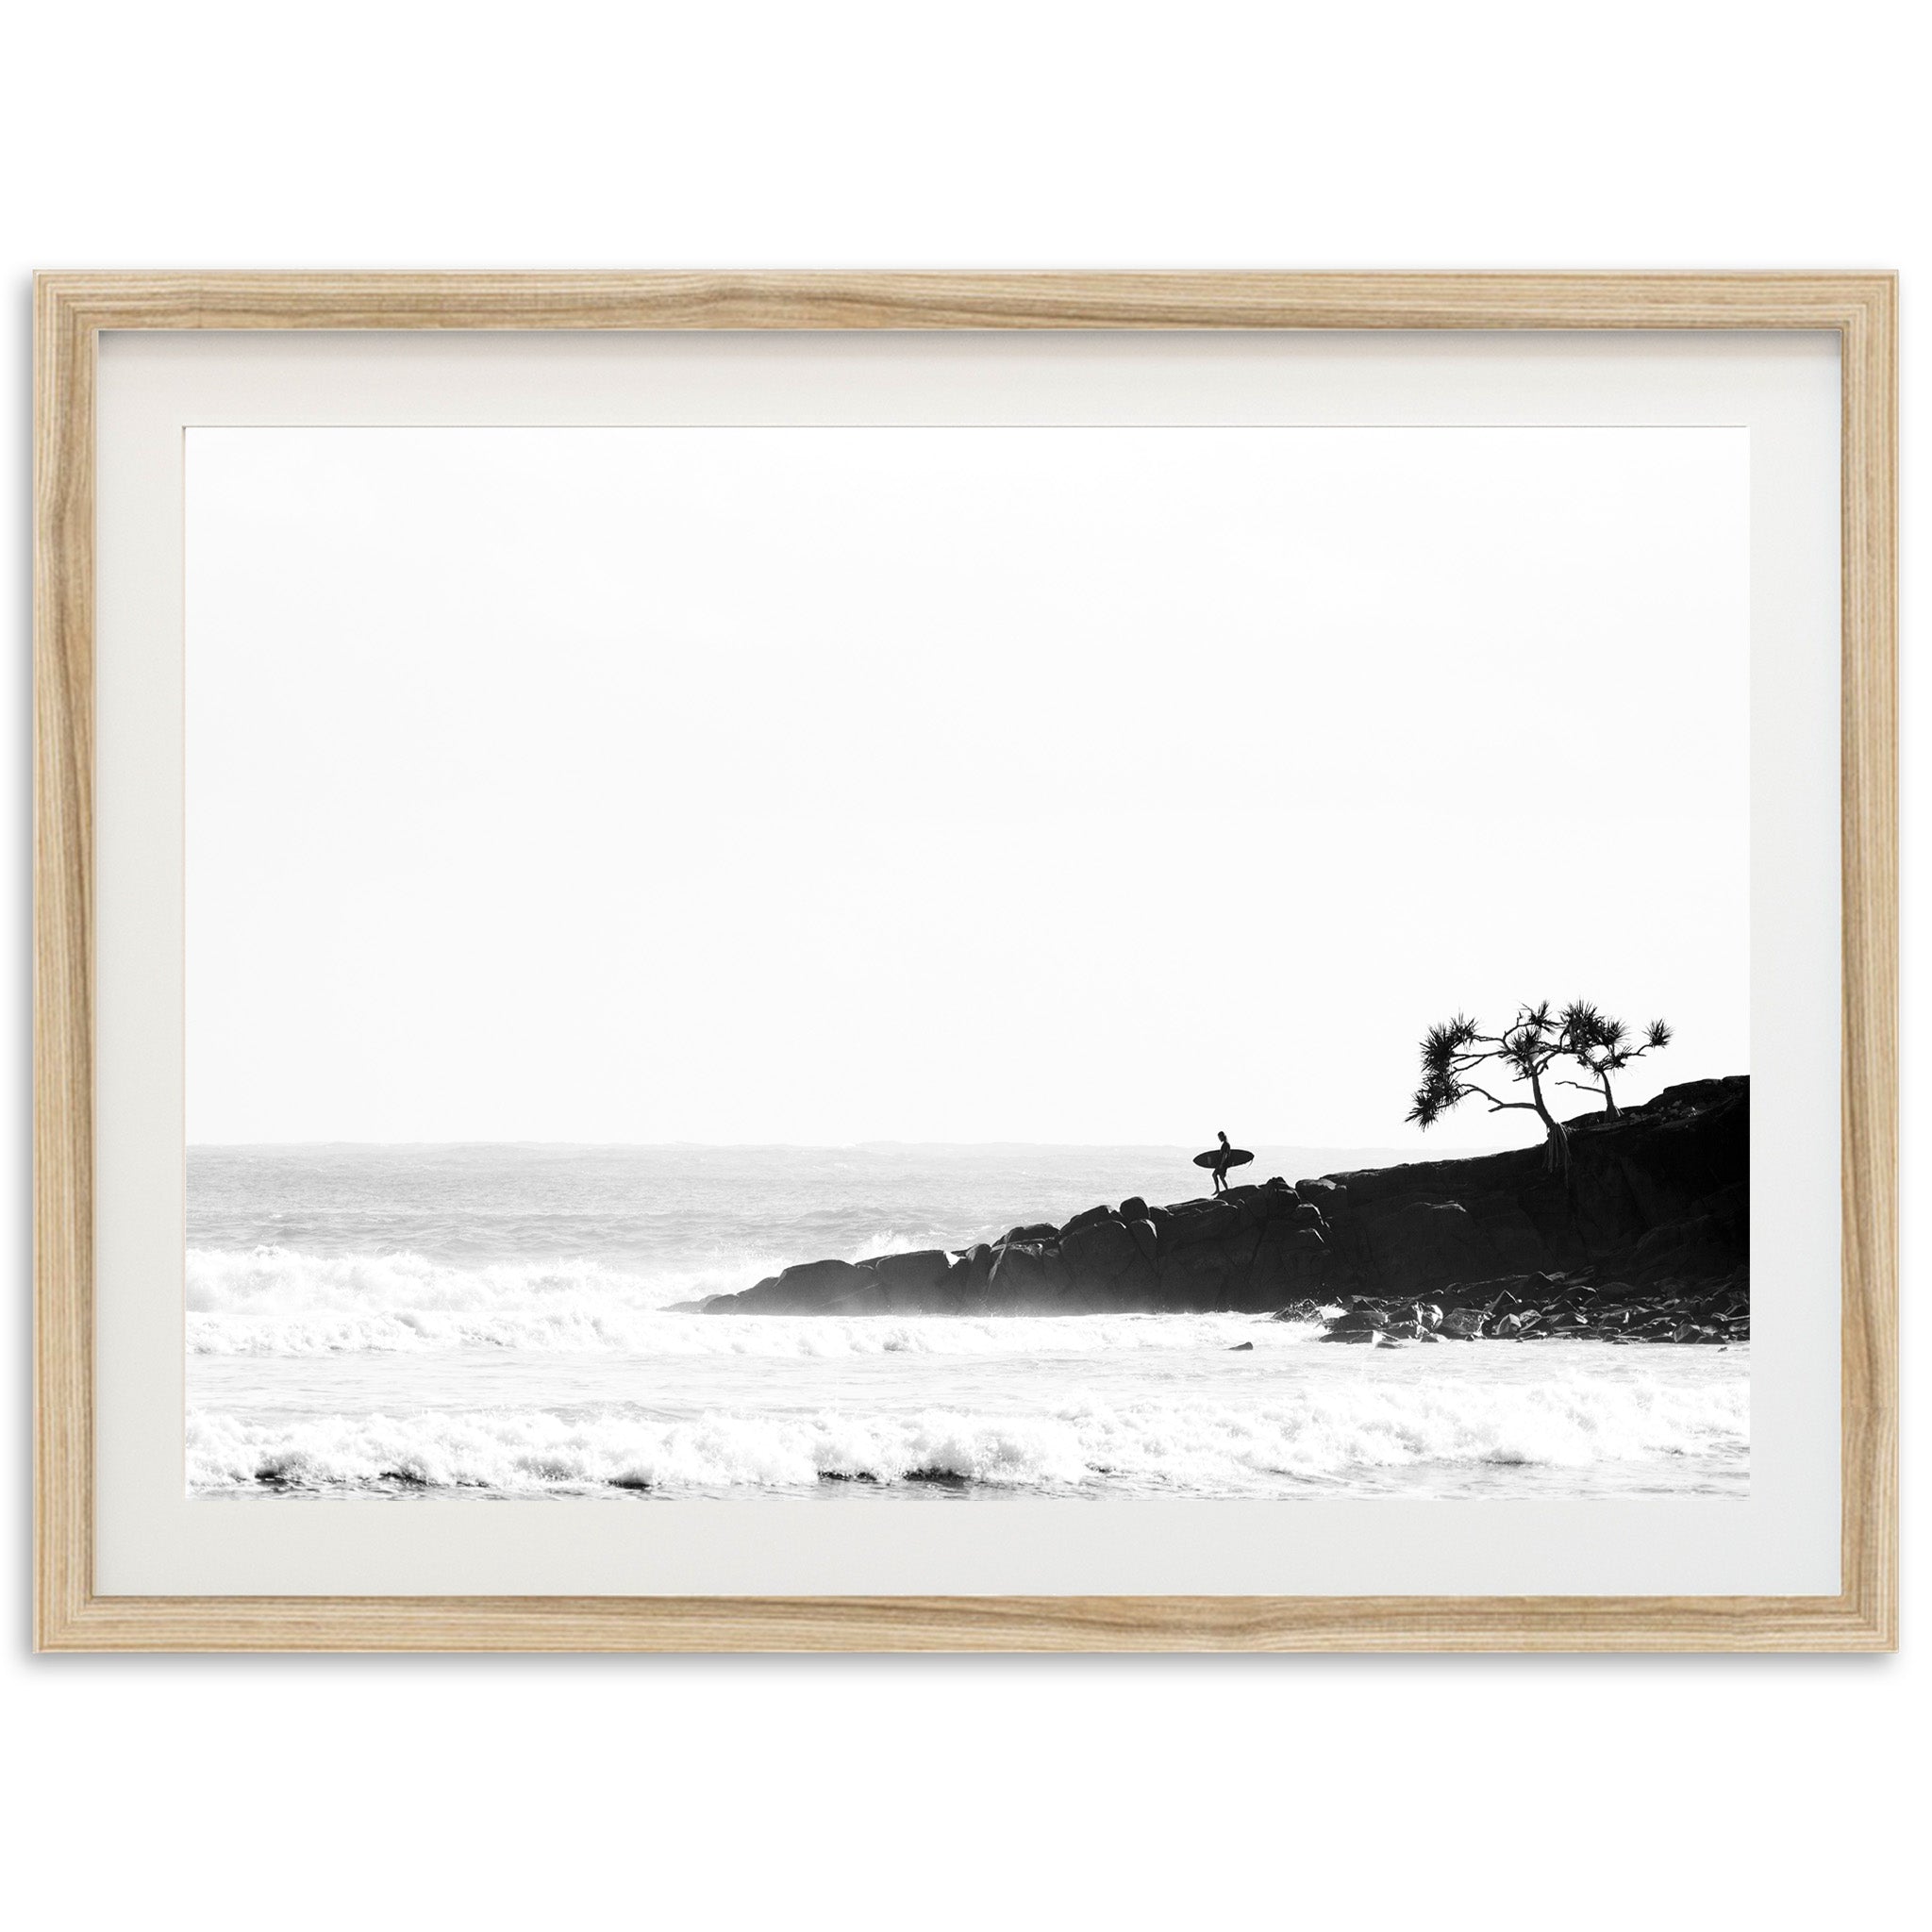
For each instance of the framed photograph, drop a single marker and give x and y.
(885, 963)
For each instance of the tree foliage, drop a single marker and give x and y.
(1524, 1053)
(1603, 1046)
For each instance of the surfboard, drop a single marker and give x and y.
(1240, 1158)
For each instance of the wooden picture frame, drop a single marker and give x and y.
(71, 311)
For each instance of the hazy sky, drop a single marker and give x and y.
(823, 785)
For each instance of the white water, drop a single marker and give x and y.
(513, 1338)
(1148, 1405)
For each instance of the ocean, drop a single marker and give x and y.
(499, 1321)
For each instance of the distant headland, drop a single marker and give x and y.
(1644, 1234)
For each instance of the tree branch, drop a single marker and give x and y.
(1498, 1105)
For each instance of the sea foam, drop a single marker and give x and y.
(1307, 1438)
(279, 1302)
(580, 1330)
(274, 1300)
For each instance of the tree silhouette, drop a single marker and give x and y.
(1525, 1050)
(1603, 1046)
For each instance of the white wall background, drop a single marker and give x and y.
(1355, 1791)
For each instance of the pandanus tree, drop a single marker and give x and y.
(1524, 1053)
(1603, 1046)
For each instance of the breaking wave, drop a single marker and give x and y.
(281, 1301)
(278, 1302)
(579, 1331)
(1312, 1438)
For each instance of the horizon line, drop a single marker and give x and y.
(786, 1146)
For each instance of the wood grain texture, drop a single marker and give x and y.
(63, 962)
(959, 1623)
(992, 301)
(72, 309)
(1869, 1082)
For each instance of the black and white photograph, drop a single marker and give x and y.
(939, 965)
(959, 967)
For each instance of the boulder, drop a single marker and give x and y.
(1203, 1278)
(1196, 1225)
(803, 1290)
(871, 1299)
(907, 1281)
(1260, 1208)
(964, 1290)
(1103, 1258)
(1088, 1218)
(1287, 1260)
(1304, 1311)
(1026, 1277)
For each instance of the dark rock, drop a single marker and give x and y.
(1285, 1259)
(870, 1300)
(1648, 1236)
(1105, 1261)
(1711, 1238)
(1257, 1207)
(1196, 1223)
(907, 1280)
(800, 1291)
(1027, 1277)
(1205, 1261)
(1088, 1219)
(1422, 1244)
(1299, 1311)
(1238, 1346)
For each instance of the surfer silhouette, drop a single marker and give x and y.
(1220, 1159)
(1220, 1164)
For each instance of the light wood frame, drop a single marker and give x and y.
(71, 311)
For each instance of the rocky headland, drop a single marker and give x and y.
(1645, 1238)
